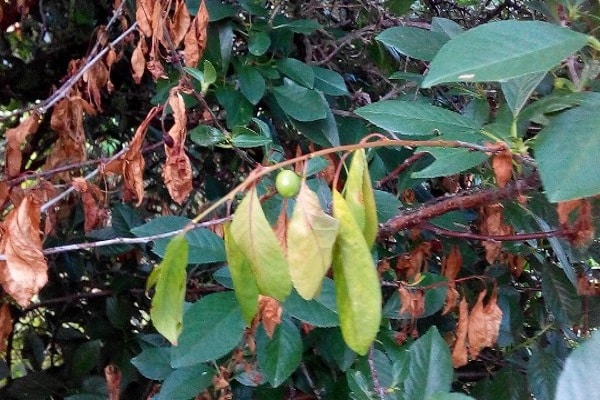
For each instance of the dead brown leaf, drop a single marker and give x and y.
(91, 195)
(492, 223)
(413, 262)
(502, 165)
(413, 301)
(180, 23)
(195, 40)
(25, 270)
(452, 296)
(484, 323)
(143, 15)
(269, 313)
(581, 229)
(15, 137)
(177, 172)
(459, 352)
(6, 325)
(138, 60)
(452, 263)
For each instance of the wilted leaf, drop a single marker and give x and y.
(15, 137)
(502, 165)
(409, 265)
(356, 281)
(167, 303)
(311, 234)
(6, 325)
(96, 78)
(492, 223)
(581, 230)
(281, 226)
(180, 23)
(138, 60)
(195, 40)
(359, 196)
(269, 311)
(91, 194)
(459, 352)
(258, 243)
(452, 263)
(452, 296)
(178, 169)
(25, 270)
(143, 15)
(244, 282)
(484, 323)
(413, 301)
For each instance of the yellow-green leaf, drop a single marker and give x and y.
(167, 304)
(357, 287)
(310, 237)
(242, 276)
(359, 196)
(256, 240)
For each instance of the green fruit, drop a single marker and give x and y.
(287, 183)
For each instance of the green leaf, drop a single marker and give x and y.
(154, 362)
(323, 132)
(310, 237)
(242, 276)
(560, 295)
(258, 42)
(517, 90)
(450, 396)
(213, 326)
(299, 102)
(387, 205)
(329, 82)
(579, 378)
(186, 383)
(503, 50)
(86, 358)
(280, 355)
(216, 10)
(446, 26)
(356, 281)
(414, 119)
(167, 303)
(239, 110)
(413, 42)
(206, 135)
(258, 243)
(506, 384)
(252, 84)
(195, 73)
(305, 26)
(297, 71)
(359, 196)
(543, 370)
(566, 152)
(320, 311)
(449, 161)
(248, 140)
(430, 366)
(210, 73)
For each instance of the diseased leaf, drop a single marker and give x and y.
(459, 352)
(242, 276)
(311, 234)
(270, 312)
(25, 270)
(360, 198)
(356, 281)
(167, 303)
(258, 243)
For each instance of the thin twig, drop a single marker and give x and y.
(376, 385)
(496, 238)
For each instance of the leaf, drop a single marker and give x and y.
(25, 270)
(448, 162)
(565, 152)
(446, 26)
(320, 311)
(167, 303)
(269, 311)
(15, 137)
(502, 166)
(329, 82)
(430, 366)
(252, 84)
(311, 234)
(415, 119)
(323, 132)
(213, 326)
(206, 135)
(243, 279)
(258, 42)
(543, 370)
(247, 140)
(579, 378)
(450, 396)
(413, 42)
(503, 50)
(6, 325)
(305, 26)
(297, 71)
(154, 362)
(517, 90)
(186, 383)
(356, 281)
(280, 356)
(360, 198)
(258, 243)
(195, 39)
(239, 110)
(560, 295)
(459, 352)
(299, 102)
(177, 171)
(484, 323)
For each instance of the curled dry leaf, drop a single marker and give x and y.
(25, 270)
(138, 60)
(459, 352)
(452, 263)
(177, 173)
(94, 216)
(411, 264)
(502, 165)
(179, 24)
(413, 301)
(269, 313)
(452, 296)
(195, 40)
(581, 229)
(96, 78)
(484, 323)
(492, 223)
(15, 137)
(143, 15)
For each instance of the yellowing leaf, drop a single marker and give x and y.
(167, 304)
(258, 243)
(356, 281)
(310, 237)
(359, 196)
(242, 276)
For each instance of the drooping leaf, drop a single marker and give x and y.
(503, 50)
(430, 366)
(560, 295)
(413, 42)
(566, 152)
(167, 303)
(310, 237)
(185, 383)
(258, 243)
(359, 196)
(299, 102)
(242, 276)
(579, 379)
(449, 162)
(213, 326)
(356, 281)
(280, 355)
(414, 119)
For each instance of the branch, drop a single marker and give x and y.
(497, 238)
